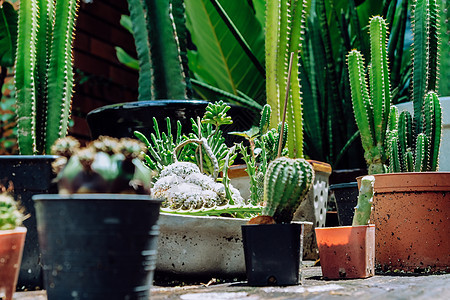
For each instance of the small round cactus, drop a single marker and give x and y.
(10, 215)
(286, 184)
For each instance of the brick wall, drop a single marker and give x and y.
(100, 78)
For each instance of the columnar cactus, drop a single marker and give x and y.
(372, 110)
(414, 144)
(407, 154)
(286, 185)
(365, 200)
(284, 25)
(44, 74)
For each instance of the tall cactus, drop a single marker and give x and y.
(286, 185)
(44, 74)
(414, 145)
(365, 199)
(284, 25)
(372, 111)
(160, 36)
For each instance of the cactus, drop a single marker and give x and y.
(365, 199)
(44, 75)
(372, 112)
(284, 26)
(106, 165)
(10, 214)
(286, 185)
(415, 143)
(423, 155)
(160, 37)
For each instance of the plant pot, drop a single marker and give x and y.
(202, 247)
(314, 207)
(347, 252)
(31, 175)
(346, 198)
(98, 246)
(121, 120)
(11, 248)
(411, 214)
(273, 253)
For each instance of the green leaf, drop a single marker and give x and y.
(126, 23)
(219, 59)
(126, 59)
(8, 34)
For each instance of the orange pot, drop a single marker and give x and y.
(411, 212)
(347, 251)
(11, 248)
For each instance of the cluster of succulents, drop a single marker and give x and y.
(105, 165)
(10, 215)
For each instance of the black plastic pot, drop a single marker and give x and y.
(346, 196)
(121, 120)
(273, 253)
(30, 174)
(98, 246)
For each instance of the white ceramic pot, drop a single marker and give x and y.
(202, 246)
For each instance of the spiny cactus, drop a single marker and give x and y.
(365, 200)
(284, 26)
(160, 36)
(106, 165)
(371, 112)
(414, 144)
(44, 74)
(10, 214)
(286, 185)
(419, 154)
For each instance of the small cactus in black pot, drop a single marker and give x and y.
(106, 165)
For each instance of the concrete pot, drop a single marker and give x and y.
(11, 248)
(411, 214)
(444, 159)
(198, 246)
(347, 252)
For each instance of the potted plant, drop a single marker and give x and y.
(160, 34)
(12, 239)
(272, 245)
(408, 206)
(98, 236)
(43, 81)
(349, 251)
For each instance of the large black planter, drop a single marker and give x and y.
(121, 120)
(346, 197)
(30, 175)
(272, 253)
(98, 246)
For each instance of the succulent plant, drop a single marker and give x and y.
(372, 110)
(106, 165)
(284, 26)
(10, 214)
(286, 184)
(365, 199)
(415, 141)
(44, 74)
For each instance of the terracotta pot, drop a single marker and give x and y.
(411, 214)
(11, 248)
(347, 251)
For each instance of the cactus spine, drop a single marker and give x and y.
(372, 112)
(44, 75)
(284, 25)
(418, 141)
(286, 184)
(365, 199)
